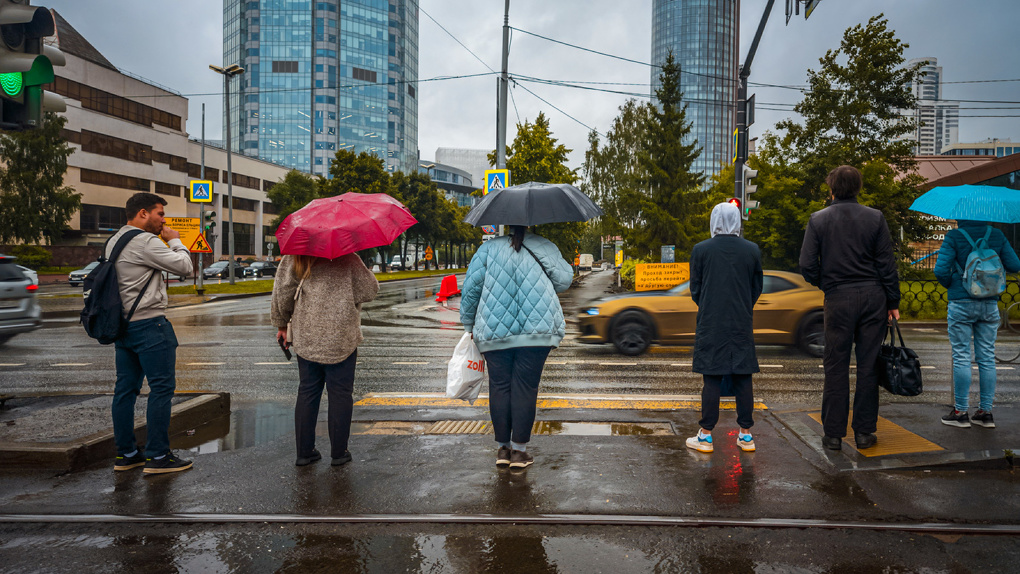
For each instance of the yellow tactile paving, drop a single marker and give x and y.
(892, 439)
(656, 403)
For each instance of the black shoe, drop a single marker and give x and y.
(957, 418)
(169, 463)
(832, 442)
(865, 439)
(342, 460)
(503, 456)
(129, 462)
(520, 459)
(984, 419)
(306, 460)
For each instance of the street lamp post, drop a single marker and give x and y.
(228, 73)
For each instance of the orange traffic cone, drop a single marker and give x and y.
(447, 289)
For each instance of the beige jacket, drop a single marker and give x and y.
(142, 256)
(326, 320)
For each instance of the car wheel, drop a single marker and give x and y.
(5, 338)
(811, 335)
(632, 333)
(258, 274)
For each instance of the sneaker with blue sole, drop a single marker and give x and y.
(700, 444)
(745, 442)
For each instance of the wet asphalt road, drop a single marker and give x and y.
(229, 346)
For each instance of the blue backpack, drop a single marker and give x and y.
(983, 275)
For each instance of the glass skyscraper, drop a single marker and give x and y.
(703, 37)
(323, 75)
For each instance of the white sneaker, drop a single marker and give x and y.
(700, 444)
(746, 442)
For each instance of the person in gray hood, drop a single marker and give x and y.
(726, 281)
(148, 348)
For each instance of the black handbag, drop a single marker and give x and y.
(899, 370)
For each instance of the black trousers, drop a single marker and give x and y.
(710, 400)
(853, 315)
(514, 375)
(338, 380)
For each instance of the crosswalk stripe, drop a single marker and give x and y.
(278, 363)
(12, 364)
(70, 364)
(410, 363)
(205, 364)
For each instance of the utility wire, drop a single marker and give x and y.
(589, 128)
(418, 6)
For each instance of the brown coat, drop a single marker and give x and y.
(326, 320)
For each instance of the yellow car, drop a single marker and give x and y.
(789, 312)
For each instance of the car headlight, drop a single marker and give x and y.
(592, 311)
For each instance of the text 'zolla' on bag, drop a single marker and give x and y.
(465, 372)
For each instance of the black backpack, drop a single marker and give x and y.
(103, 316)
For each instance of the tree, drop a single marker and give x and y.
(535, 155)
(34, 202)
(360, 173)
(295, 191)
(852, 115)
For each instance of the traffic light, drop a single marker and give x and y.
(209, 225)
(749, 188)
(26, 64)
(734, 201)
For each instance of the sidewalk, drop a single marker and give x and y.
(619, 456)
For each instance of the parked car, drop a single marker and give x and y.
(19, 312)
(220, 269)
(76, 278)
(789, 312)
(260, 269)
(31, 274)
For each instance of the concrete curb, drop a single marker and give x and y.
(74, 455)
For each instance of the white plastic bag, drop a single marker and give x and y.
(465, 371)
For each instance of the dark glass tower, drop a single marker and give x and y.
(703, 37)
(324, 75)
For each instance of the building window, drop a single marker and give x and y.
(109, 104)
(285, 67)
(195, 172)
(98, 218)
(410, 91)
(114, 180)
(364, 75)
(168, 189)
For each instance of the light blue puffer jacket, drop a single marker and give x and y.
(508, 300)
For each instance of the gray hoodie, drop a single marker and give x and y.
(142, 256)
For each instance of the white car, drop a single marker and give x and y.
(30, 274)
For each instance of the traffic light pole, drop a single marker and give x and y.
(745, 71)
(200, 287)
(230, 183)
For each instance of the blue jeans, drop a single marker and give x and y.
(977, 320)
(514, 375)
(147, 350)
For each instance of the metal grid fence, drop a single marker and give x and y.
(929, 300)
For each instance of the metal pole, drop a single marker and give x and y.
(745, 71)
(201, 213)
(230, 182)
(503, 84)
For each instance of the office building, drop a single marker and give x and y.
(989, 147)
(128, 134)
(323, 76)
(936, 121)
(455, 183)
(473, 161)
(703, 36)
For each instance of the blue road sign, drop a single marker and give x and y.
(496, 179)
(201, 191)
(489, 229)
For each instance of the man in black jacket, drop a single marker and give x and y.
(847, 252)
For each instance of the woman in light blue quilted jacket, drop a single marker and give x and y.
(510, 307)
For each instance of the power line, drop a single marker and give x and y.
(415, 2)
(589, 128)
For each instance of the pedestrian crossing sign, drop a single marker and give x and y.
(496, 179)
(201, 191)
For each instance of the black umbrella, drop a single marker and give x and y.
(533, 203)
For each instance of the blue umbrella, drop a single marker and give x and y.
(974, 202)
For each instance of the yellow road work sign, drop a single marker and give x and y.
(654, 276)
(428, 254)
(190, 229)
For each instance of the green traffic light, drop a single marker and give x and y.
(12, 83)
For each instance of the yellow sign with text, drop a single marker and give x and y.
(190, 229)
(656, 276)
(619, 257)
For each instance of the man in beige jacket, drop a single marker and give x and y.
(148, 348)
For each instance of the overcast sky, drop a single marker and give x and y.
(172, 42)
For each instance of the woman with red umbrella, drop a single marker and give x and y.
(317, 297)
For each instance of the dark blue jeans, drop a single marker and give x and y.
(338, 380)
(148, 350)
(513, 390)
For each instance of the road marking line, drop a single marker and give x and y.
(636, 402)
(410, 363)
(556, 362)
(70, 364)
(928, 367)
(205, 364)
(12, 364)
(618, 364)
(996, 368)
(681, 364)
(280, 363)
(771, 366)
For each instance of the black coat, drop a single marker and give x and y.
(726, 281)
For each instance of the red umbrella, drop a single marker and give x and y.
(335, 226)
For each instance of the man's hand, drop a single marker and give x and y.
(167, 234)
(894, 314)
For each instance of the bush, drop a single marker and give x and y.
(31, 256)
(628, 272)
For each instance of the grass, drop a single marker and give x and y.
(58, 270)
(266, 285)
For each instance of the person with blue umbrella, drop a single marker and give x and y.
(972, 264)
